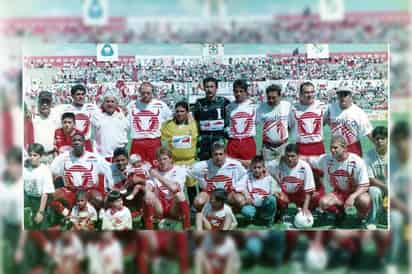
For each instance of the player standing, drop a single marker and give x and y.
(146, 117)
(210, 114)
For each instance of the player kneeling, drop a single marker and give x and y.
(216, 214)
(296, 181)
(167, 189)
(348, 175)
(258, 188)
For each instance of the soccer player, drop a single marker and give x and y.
(219, 172)
(377, 163)
(119, 167)
(241, 127)
(348, 175)
(168, 186)
(146, 117)
(218, 254)
(259, 188)
(38, 185)
(83, 113)
(111, 127)
(209, 112)
(306, 120)
(116, 216)
(63, 136)
(274, 114)
(79, 169)
(350, 121)
(295, 179)
(216, 214)
(45, 123)
(180, 135)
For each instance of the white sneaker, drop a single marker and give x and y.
(123, 191)
(130, 197)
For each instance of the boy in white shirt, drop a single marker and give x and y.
(116, 216)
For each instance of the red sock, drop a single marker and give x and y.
(184, 209)
(148, 216)
(142, 259)
(333, 209)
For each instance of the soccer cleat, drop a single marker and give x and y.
(130, 197)
(123, 191)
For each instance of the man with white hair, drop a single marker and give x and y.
(111, 126)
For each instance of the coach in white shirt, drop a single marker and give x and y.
(348, 120)
(111, 126)
(45, 123)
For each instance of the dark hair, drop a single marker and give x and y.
(240, 83)
(380, 131)
(120, 151)
(76, 133)
(258, 159)
(163, 151)
(14, 154)
(69, 115)
(182, 104)
(81, 194)
(113, 196)
(210, 79)
(292, 148)
(218, 145)
(219, 194)
(37, 148)
(305, 84)
(275, 88)
(400, 131)
(76, 88)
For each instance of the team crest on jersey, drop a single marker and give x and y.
(182, 141)
(82, 122)
(242, 123)
(145, 120)
(273, 130)
(290, 184)
(78, 173)
(342, 179)
(344, 131)
(218, 182)
(309, 123)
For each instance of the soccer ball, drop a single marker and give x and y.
(316, 259)
(303, 221)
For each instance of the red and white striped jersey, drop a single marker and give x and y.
(242, 119)
(258, 189)
(177, 174)
(351, 123)
(63, 142)
(344, 176)
(211, 177)
(84, 116)
(82, 172)
(145, 120)
(275, 121)
(307, 122)
(294, 180)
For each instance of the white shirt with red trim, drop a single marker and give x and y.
(242, 119)
(145, 120)
(351, 123)
(82, 171)
(307, 122)
(258, 189)
(111, 132)
(217, 218)
(211, 177)
(83, 116)
(294, 180)
(218, 255)
(344, 176)
(275, 121)
(177, 174)
(117, 219)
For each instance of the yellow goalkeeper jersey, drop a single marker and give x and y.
(181, 140)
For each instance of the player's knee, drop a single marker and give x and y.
(180, 197)
(199, 202)
(364, 201)
(248, 211)
(239, 200)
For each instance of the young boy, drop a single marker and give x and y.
(216, 214)
(137, 174)
(259, 188)
(116, 216)
(83, 215)
(63, 136)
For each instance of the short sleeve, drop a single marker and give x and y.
(48, 186)
(362, 177)
(57, 166)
